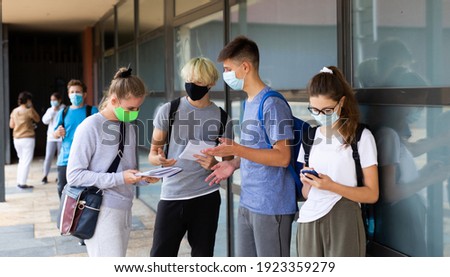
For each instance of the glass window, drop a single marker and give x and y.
(152, 65)
(414, 166)
(127, 58)
(401, 43)
(151, 15)
(125, 22)
(199, 38)
(295, 39)
(182, 6)
(108, 33)
(109, 64)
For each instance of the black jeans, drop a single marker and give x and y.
(62, 179)
(198, 217)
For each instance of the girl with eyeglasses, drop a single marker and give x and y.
(330, 221)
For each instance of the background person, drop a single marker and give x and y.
(53, 145)
(68, 120)
(22, 121)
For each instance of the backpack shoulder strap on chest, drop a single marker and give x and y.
(64, 113)
(308, 141)
(88, 110)
(359, 173)
(270, 93)
(223, 121)
(174, 104)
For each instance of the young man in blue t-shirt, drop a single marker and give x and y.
(67, 122)
(267, 203)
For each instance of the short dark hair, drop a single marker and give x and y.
(57, 95)
(241, 49)
(24, 96)
(79, 83)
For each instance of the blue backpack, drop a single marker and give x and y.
(299, 126)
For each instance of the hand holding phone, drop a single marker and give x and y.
(309, 171)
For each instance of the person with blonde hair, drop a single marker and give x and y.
(93, 153)
(188, 203)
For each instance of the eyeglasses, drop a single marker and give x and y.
(326, 111)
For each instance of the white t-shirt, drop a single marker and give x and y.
(330, 157)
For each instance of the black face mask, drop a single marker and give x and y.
(195, 92)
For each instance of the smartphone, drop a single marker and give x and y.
(310, 171)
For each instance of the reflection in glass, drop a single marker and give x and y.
(413, 166)
(422, 27)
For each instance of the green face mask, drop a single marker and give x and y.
(125, 116)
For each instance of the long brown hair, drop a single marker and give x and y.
(334, 86)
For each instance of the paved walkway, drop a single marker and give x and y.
(28, 221)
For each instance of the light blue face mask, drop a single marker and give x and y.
(326, 120)
(76, 99)
(54, 103)
(232, 81)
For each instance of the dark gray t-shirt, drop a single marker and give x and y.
(190, 123)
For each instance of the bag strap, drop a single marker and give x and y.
(359, 173)
(308, 140)
(174, 104)
(115, 163)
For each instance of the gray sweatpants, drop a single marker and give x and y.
(111, 234)
(261, 235)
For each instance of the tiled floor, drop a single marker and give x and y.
(28, 221)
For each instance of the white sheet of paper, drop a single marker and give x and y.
(194, 147)
(160, 172)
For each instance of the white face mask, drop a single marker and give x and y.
(326, 120)
(230, 78)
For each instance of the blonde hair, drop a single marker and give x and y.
(200, 70)
(124, 85)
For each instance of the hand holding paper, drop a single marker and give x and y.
(160, 172)
(194, 147)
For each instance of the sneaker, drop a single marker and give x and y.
(44, 180)
(25, 186)
(81, 242)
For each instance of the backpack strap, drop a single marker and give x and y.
(66, 108)
(307, 141)
(223, 123)
(359, 173)
(88, 110)
(174, 104)
(270, 93)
